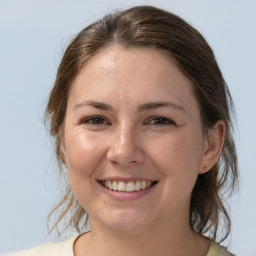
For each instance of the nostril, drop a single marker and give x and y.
(125, 157)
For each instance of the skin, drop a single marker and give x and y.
(128, 141)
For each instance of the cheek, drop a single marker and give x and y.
(83, 153)
(178, 157)
(83, 157)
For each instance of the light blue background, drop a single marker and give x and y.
(33, 36)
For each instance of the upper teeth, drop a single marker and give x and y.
(126, 187)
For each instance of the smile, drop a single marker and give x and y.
(130, 186)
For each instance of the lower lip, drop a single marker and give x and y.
(126, 196)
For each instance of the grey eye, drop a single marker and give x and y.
(161, 121)
(94, 120)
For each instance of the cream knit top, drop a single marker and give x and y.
(65, 248)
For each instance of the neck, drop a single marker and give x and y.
(162, 239)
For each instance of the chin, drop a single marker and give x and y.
(127, 222)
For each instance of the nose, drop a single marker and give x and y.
(125, 148)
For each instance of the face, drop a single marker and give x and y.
(133, 141)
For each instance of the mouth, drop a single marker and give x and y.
(130, 186)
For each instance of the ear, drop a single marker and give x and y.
(63, 153)
(62, 146)
(214, 142)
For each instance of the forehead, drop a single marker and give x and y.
(135, 73)
(120, 61)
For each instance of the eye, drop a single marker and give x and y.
(161, 121)
(94, 120)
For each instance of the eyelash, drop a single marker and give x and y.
(166, 121)
(91, 120)
(163, 121)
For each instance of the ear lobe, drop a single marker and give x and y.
(215, 141)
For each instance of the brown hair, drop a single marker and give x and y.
(150, 27)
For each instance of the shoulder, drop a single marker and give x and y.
(218, 250)
(64, 248)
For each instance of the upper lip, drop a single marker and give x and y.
(125, 179)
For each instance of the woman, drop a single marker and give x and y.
(141, 116)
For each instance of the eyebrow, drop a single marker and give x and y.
(141, 108)
(162, 104)
(95, 104)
